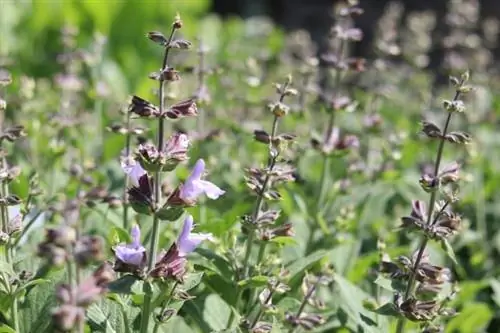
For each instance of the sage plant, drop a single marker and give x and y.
(261, 225)
(11, 224)
(341, 35)
(144, 171)
(436, 221)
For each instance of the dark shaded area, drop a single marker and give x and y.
(316, 16)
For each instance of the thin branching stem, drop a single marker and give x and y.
(166, 303)
(432, 201)
(260, 197)
(308, 295)
(259, 314)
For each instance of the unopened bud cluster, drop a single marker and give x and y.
(263, 181)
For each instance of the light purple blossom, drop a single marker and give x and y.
(133, 253)
(133, 170)
(188, 241)
(195, 186)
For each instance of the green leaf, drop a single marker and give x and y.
(384, 283)
(117, 235)
(31, 283)
(220, 264)
(300, 265)
(216, 312)
(387, 309)
(5, 267)
(170, 213)
(106, 316)
(255, 281)
(495, 285)
(276, 326)
(35, 310)
(176, 325)
(284, 240)
(351, 299)
(127, 284)
(192, 280)
(446, 246)
(473, 317)
(6, 329)
(322, 223)
(390, 285)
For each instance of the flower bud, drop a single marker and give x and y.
(157, 37)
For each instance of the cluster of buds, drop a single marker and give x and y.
(423, 281)
(343, 33)
(75, 299)
(62, 245)
(173, 153)
(171, 265)
(431, 278)
(145, 109)
(444, 222)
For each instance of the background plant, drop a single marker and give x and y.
(70, 168)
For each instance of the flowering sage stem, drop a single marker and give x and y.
(432, 202)
(157, 193)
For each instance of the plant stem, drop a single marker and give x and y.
(259, 314)
(271, 162)
(157, 196)
(167, 302)
(432, 201)
(201, 80)
(127, 153)
(260, 199)
(304, 302)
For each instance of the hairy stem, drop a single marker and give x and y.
(432, 201)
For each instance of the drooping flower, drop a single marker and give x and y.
(194, 186)
(187, 241)
(131, 257)
(172, 264)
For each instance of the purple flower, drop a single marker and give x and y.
(132, 254)
(188, 241)
(133, 170)
(194, 186)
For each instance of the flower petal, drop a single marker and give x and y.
(197, 172)
(135, 233)
(133, 170)
(210, 189)
(130, 255)
(187, 241)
